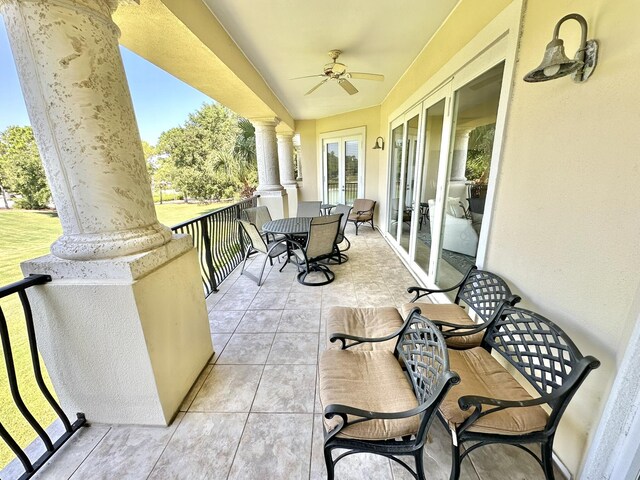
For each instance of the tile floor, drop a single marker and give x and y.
(254, 412)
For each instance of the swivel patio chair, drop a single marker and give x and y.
(320, 245)
(340, 257)
(271, 250)
(308, 209)
(362, 212)
(259, 216)
(371, 405)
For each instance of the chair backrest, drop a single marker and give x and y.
(345, 210)
(257, 215)
(542, 353)
(308, 209)
(257, 242)
(323, 233)
(422, 350)
(364, 205)
(483, 292)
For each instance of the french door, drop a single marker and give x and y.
(343, 172)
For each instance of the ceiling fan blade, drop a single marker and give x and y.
(366, 76)
(308, 76)
(317, 86)
(348, 86)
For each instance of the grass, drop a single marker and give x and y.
(29, 234)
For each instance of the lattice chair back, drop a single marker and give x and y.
(423, 351)
(543, 353)
(308, 209)
(322, 236)
(257, 242)
(257, 215)
(483, 292)
(345, 210)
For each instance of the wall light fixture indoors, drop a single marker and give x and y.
(556, 64)
(379, 144)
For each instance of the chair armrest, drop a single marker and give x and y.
(358, 340)
(422, 291)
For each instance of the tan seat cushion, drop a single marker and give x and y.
(481, 374)
(448, 312)
(364, 322)
(372, 381)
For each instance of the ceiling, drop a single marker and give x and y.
(284, 39)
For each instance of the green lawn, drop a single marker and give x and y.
(25, 235)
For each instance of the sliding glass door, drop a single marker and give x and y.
(439, 176)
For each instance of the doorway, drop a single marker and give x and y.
(343, 167)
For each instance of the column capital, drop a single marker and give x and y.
(284, 136)
(265, 122)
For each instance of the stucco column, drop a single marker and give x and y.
(459, 158)
(285, 159)
(75, 89)
(272, 193)
(123, 325)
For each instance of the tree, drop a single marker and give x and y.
(211, 156)
(21, 168)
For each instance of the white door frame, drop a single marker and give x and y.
(340, 136)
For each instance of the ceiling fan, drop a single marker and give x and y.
(338, 71)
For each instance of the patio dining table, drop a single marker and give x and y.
(290, 227)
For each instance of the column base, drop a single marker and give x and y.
(276, 201)
(123, 339)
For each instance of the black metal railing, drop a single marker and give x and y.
(350, 192)
(30, 467)
(217, 238)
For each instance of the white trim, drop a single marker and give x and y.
(355, 133)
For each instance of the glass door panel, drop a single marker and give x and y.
(407, 207)
(351, 178)
(332, 161)
(429, 179)
(397, 136)
(468, 173)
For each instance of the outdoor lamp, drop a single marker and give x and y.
(556, 64)
(379, 144)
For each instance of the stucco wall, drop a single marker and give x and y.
(565, 229)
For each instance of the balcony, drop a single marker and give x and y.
(254, 411)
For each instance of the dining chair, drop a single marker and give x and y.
(259, 216)
(339, 256)
(271, 250)
(308, 209)
(320, 245)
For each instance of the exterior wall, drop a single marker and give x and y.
(565, 228)
(308, 152)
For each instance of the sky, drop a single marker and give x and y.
(160, 100)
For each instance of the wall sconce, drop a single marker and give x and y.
(379, 144)
(555, 63)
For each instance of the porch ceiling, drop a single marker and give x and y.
(284, 39)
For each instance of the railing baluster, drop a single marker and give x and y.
(30, 467)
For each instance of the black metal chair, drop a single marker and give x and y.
(481, 291)
(544, 356)
(383, 410)
(271, 250)
(320, 245)
(362, 212)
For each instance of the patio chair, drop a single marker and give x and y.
(271, 250)
(259, 216)
(339, 256)
(308, 209)
(320, 245)
(490, 406)
(362, 212)
(481, 291)
(371, 405)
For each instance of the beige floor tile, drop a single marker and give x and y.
(259, 321)
(228, 388)
(224, 321)
(219, 341)
(203, 446)
(247, 349)
(286, 389)
(294, 348)
(300, 321)
(234, 301)
(195, 388)
(274, 446)
(269, 301)
(311, 299)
